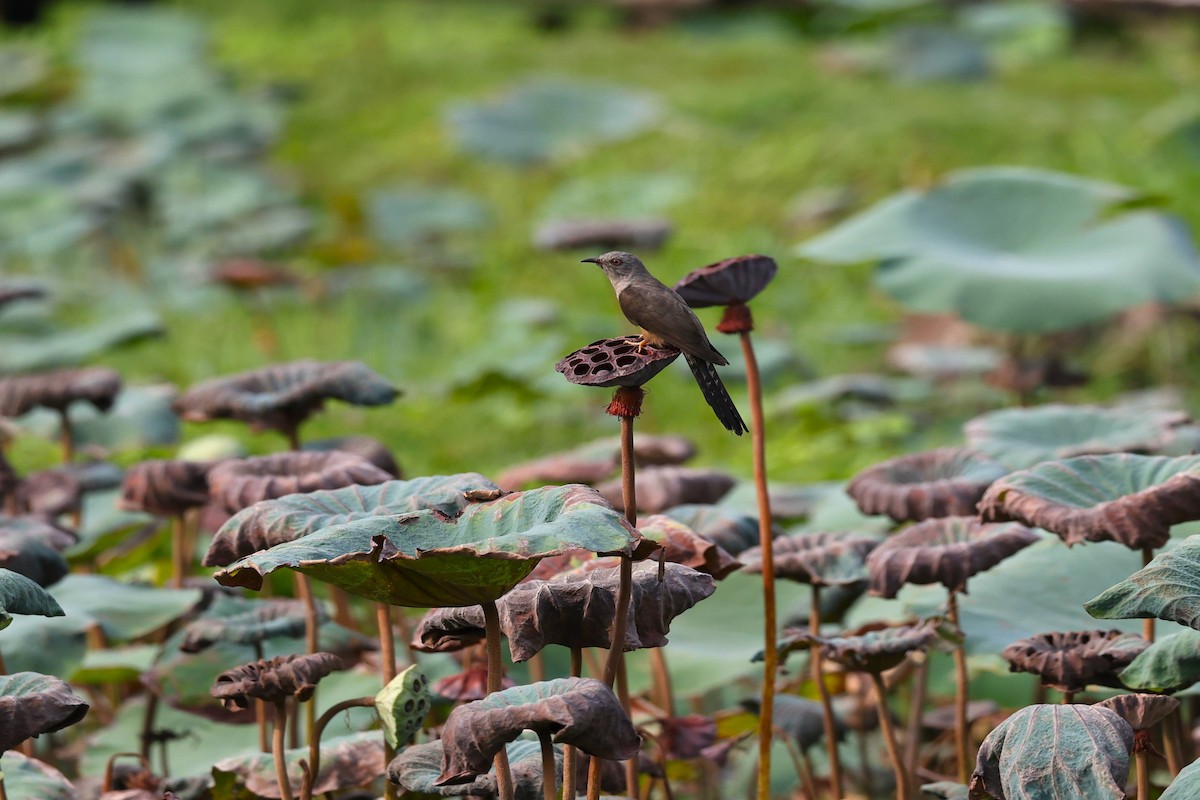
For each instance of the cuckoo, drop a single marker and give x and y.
(665, 318)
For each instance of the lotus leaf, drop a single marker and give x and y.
(615, 362)
(57, 390)
(417, 768)
(1168, 588)
(1072, 661)
(876, 651)
(603, 234)
(140, 418)
(273, 522)
(686, 737)
(621, 195)
(661, 488)
(426, 559)
(240, 483)
(575, 610)
(799, 718)
(66, 348)
(28, 777)
(403, 704)
(937, 483)
(1168, 665)
(32, 704)
(1141, 711)
(729, 282)
(1016, 249)
(284, 395)
(582, 712)
(166, 487)
(945, 550)
(262, 621)
(1065, 751)
(727, 528)
(1023, 437)
(545, 119)
(410, 216)
(823, 559)
(21, 595)
(31, 558)
(468, 685)
(682, 545)
(944, 790)
(371, 449)
(274, 680)
(595, 461)
(346, 762)
(44, 530)
(1131, 499)
(1186, 784)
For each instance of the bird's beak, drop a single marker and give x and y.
(590, 261)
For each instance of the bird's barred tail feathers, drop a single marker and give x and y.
(717, 395)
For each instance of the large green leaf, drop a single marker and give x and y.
(425, 559)
(1023, 437)
(1170, 664)
(292, 516)
(1186, 784)
(69, 348)
(28, 777)
(20, 595)
(1130, 499)
(1168, 588)
(408, 216)
(1068, 752)
(1017, 249)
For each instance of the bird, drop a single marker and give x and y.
(666, 319)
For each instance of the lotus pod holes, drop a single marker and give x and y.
(616, 362)
(403, 704)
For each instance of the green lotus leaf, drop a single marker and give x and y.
(20, 595)
(1186, 784)
(944, 790)
(346, 762)
(68, 348)
(1022, 437)
(409, 216)
(1061, 751)
(1168, 588)
(403, 704)
(32, 704)
(105, 524)
(266, 524)
(1016, 249)
(426, 559)
(417, 768)
(1170, 664)
(1131, 499)
(261, 620)
(28, 777)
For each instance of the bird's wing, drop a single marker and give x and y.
(660, 310)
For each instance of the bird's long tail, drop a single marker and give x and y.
(717, 395)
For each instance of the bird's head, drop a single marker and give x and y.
(618, 264)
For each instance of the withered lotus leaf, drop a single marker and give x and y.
(615, 362)
(32, 558)
(1023, 437)
(1141, 711)
(20, 595)
(346, 762)
(417, 768)
(824, 559)
(282, 396)
(426, 559)
(686, 737)
(264, 620)
(470, 684)
(800, 718)
(937, 483)
(1055, 751)
(603, 234)
(368, 447)
(1071, 661)
(727, 282)
(274, 679)
(728, 528)
(166, 487)
(1168, 588)
(12, 292)
(682, 545)
(595, 461)
(575, 609)
(292, 516)
(43, 529)
(876, 651)
(945, 550)
(240, 483)
(942, 718)
(1125, 498)
(32, 704)
(58, 389)
(582, 712)
(1170, 664)
(661, 488)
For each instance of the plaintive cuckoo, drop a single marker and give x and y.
(665, 318)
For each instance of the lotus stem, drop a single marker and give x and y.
(665, 694)
(889, 738)
(569, 753)
(491, 619)
(66, 437)
(802, 767)
(1068, 698)
(3, 791)
(961, 730)
(1170, 731)
(147, 726)
(314, 745)
(912, 738)
(110, 766)
(770, 649)
(387, 642)
(292, 432)
(1143, 775)
(179, 555)
(818, 679)
(260, 716)
(537, 668)
(1148, 622)
(312, 622)
(281, 715)
(549, 784)
(3, 666)
(631, 767)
